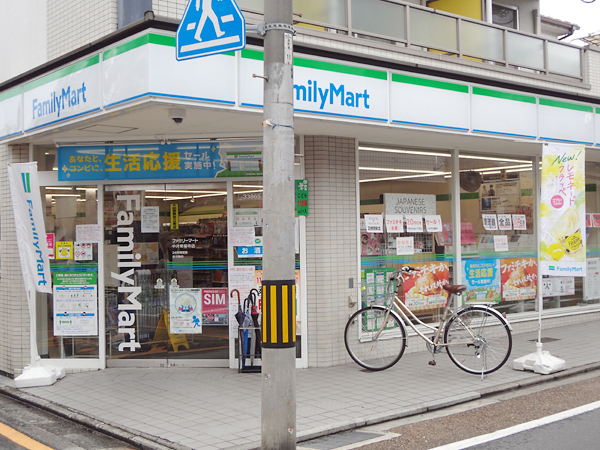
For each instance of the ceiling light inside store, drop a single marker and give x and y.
(383, 169)
(406, 152)
(492, 158)
(407, 176)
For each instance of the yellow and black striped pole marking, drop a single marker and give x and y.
(279, 314)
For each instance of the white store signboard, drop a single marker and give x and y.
(144, 65)
(68, 92)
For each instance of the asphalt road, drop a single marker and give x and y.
(577, 432)
(461, 422)
(47, 429)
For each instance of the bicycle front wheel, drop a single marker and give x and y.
(372, 341)
(478, 340)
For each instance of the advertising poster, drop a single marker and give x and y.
(424, 289)
(64, 250)
(214, 306)
(562, 215)
(500, 196)
(370, 244)
(185, 310)
(482, 278)
(519, 278)
(75, 303)
(50, 239)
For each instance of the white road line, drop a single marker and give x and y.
(518, 428)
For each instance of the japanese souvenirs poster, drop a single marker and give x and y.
(424, 289)
(482, 278)
(562, 223)
(519, 278)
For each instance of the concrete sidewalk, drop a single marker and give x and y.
(219, 408)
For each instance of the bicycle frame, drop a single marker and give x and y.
(399, 307)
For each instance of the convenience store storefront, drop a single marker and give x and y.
(367, 137)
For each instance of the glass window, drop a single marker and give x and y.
(399, 190)
(247, 220)
(68, 318)
(165, 261)
(505, 16)
(499, 256)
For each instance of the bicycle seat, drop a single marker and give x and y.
(455, 289)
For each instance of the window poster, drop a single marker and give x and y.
(75, 303)
(414, 223)
(150, 219)
(489, 222)
(409, 204)
(519, 278)
(394, 223)
(562, 210)
(504, 222)
(500, 196)
(519, 221)
(467, 235)
(50, 241)
(375, 283)
(64, 250)
(405, 245)
(425, 289)
(596, 220)
(592, 279)
(214, 306)
(374, 223)
(185, 310)
(482, 279)
(433, 223)
(370, 244)
(500, 243)
(89, 233)
(588, 220)
(82, 251)
(240, 280)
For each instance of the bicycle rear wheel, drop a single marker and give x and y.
(491, 345)
(371, 343)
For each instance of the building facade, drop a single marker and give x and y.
(151, 174)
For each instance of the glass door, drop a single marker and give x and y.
(166, 275)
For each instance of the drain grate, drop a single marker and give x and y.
(545, 339)
(338, 440)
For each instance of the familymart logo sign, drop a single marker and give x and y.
(26, 182)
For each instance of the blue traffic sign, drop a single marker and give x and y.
(209, 27)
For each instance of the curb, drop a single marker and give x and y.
(139, 439)
(146, 441)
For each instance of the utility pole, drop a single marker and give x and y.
(278, 415)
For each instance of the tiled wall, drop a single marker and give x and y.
(14, 314)
(169, 8)
(331, 250)
(74, 23)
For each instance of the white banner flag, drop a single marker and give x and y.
(29, 222)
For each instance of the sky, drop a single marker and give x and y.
(586, 15)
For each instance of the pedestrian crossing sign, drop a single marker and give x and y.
(209, 27)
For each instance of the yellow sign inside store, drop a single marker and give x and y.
(174, 216)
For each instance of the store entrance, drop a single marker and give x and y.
(165, 275)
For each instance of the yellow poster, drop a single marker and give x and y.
(64, 250)
(562, 212)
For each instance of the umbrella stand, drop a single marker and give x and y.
(252, 329)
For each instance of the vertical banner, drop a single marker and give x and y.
(29, 222)
(562, 215)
